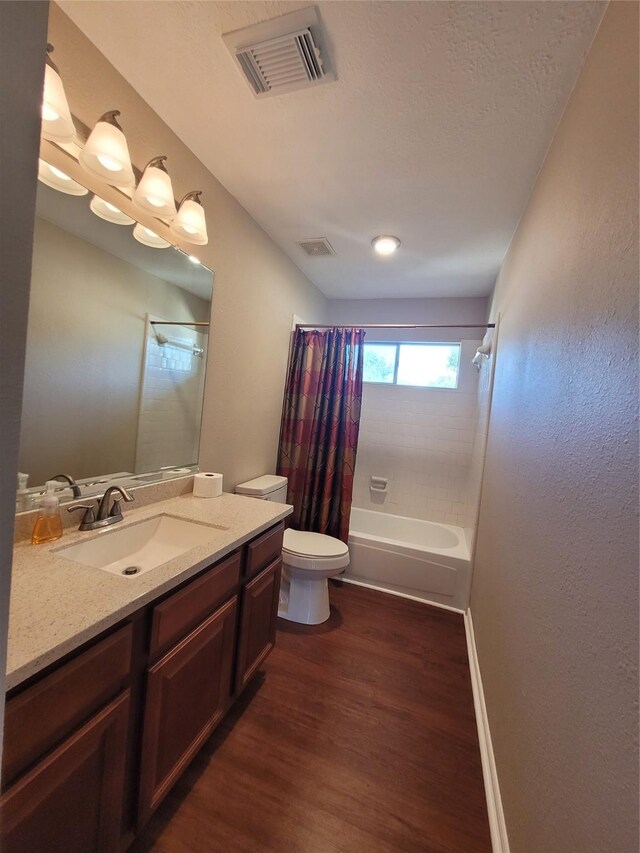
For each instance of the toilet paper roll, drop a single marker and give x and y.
(206, 484)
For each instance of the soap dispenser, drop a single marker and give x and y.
(24, 500)
(48, 526)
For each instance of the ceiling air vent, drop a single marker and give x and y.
(318, 247)
(281, 55)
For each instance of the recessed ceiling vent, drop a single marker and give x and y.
(281, 55)
(318, 247)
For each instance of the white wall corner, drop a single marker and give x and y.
(497, 825)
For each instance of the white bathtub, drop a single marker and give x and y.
(424, 559)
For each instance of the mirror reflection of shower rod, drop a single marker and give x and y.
(178, 343)
(177, 323)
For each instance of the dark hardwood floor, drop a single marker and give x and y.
(360, 738)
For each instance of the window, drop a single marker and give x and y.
(422, 365)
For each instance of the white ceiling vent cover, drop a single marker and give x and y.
(316, 247)
(281, 55)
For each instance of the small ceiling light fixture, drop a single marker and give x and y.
(190, 223)
(57, 124)
(149, 238)
(106, 154)
(385, 245)
(59, 180)
(154, 192)
(108, 211)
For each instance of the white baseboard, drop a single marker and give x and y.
(499, 839)
(398, 593)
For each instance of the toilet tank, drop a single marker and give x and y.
(269, 487)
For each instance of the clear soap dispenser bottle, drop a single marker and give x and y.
(48, 526)
(24, 500)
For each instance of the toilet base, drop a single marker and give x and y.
(304, 601)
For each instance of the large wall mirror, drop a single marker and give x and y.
(116, 354)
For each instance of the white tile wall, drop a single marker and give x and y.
(422, 440)
(170, 403)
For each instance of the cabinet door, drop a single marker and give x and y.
(71, 802)
(188, 691)
(258, 622)
(46, 713)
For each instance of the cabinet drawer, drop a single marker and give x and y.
(181, 612)
(264, 550)
(41, 716)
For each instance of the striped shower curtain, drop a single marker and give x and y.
(320, 423)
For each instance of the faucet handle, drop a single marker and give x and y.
(120, 494)
(89, 512)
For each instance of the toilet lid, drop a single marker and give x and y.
(307, 544)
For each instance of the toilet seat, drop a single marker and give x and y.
(313, 551)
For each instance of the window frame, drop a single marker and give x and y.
(397, 345)
(395, 362)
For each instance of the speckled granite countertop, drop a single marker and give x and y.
(57, 605)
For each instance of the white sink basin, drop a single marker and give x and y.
(142, 546)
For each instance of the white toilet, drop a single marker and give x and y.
(308, 560)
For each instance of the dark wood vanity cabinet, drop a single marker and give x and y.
(92, 746)
(72, 800)
(257, 635)
(188, 691)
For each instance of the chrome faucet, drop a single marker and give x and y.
(75, 488)
(105, 514)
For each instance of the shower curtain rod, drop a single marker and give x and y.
(175, 323)
(396, 326)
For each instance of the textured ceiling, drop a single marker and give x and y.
(434, 131)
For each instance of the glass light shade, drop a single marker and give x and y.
(106, 210)
(59, 180)
(57, 124)
(149, 237)
(106, 154)
(385, 245)
(190, 222)
(154, 193)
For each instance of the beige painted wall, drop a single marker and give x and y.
(555, 590)
(85, 345)
(22, 42)
(257, 287)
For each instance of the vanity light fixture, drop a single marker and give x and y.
(106, 154)
(106, 210)
(59, 180)
(190, 223)
(385, 244)
(149, 238)
(57, 124)
(154, 192)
